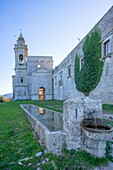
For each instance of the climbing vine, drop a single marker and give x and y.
(88, 77)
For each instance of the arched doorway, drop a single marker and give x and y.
(41, 93)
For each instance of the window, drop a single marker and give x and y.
(21, 57)
(81, 63)
(39, 65)
(60, 76)
(21, 80)
(55, 80)
(107, 47)
(60, 80)
(69, 71)
(61, 73)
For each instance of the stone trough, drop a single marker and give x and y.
(47, 125)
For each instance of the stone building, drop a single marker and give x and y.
(35, 77)
(63, 74)
(33, 74)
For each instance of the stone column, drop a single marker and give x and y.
(73, 112)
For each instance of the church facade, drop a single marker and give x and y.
(33, 74)
(35, 78)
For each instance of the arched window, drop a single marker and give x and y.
(21, 58)
(41, 93)
(21, 80)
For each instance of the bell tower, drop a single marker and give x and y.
(21, 52)
(20, 78)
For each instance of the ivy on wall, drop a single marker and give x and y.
(88, 77)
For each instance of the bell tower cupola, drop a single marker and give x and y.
(21, 39)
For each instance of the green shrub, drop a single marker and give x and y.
(3, 99)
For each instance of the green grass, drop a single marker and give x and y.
(16, 138)
(108, 107)
(17, 142)
(49, 104)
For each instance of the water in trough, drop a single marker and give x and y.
(52, 120)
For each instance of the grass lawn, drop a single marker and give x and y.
(108, 107)
(18, 142)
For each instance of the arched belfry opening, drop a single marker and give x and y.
(41, 93)
(21, 58)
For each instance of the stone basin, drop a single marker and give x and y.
(101, 132)
(95, 138)
(98, 128)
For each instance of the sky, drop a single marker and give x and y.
(49, 27)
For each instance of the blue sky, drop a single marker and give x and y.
(50, 27)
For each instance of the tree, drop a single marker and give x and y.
(89, 76)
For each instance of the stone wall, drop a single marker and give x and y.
(43, 61)
(41, 78)
(39, 71)
(104, 90)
